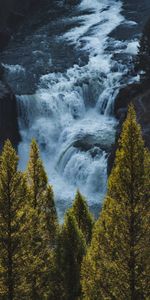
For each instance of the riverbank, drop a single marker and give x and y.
(138, 93)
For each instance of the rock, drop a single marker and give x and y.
(2, 71)
(93, 143)
(139, 95)
(72, 2)
(4, 38)
(125, 96)
(142, 106)
(8, 116)
(12, 14)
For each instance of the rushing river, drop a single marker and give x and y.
(66, 73)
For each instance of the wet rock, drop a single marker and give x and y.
(8, 116)
(125, 96)
(139, 95)
(91, 142)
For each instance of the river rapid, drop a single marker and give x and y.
(66, 69)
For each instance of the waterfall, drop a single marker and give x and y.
(71, 112)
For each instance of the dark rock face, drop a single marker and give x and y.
(72, 2)
(8, 116)
(139, 95)
(4, 37)
(12, 14)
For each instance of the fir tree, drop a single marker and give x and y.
(117, 263)
(51, 220)
(83, 216)
(42, 228)
(41, 257)
(13, 195)
(36, 176)
(41, 193)
(71, 248)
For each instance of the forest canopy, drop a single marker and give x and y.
(82, 258)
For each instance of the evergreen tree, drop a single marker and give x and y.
(41, 257)
(71, 248)
(36, 176)
(13, 195)
(51, 220)
(41, 193)
(117, 263)
(42, 229)
(83, 216)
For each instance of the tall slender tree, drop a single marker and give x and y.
(41, 257)
(43, 228)
(13, 193)
(117, 263)
(84, 218)
(36, 176)
(50, 215)
(71, 248)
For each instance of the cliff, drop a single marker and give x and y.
(139, 95)
(12, 14)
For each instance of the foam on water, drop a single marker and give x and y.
(132, 47)
(14, 68)
(71, 113)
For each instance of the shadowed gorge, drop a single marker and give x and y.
(74, 150)
(66, 64)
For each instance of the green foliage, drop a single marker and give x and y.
(71, 248)
(117, 263)
(83, 216)
(36, 176)
(40, 257)
(42, 228)
(41, 260)
(13, 196)
(74, 237)
(50, 216)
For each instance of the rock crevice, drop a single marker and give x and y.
(9, 128)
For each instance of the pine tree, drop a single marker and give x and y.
(41, 193)
(71, 248)
(51, 219)
(117, 263)
(83, 216)
(13, 194)
(36, 176)
(41, 257)
(42, 229)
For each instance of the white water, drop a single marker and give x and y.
(71, 113)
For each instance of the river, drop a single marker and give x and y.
(66, 69)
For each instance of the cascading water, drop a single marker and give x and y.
(71, 113)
